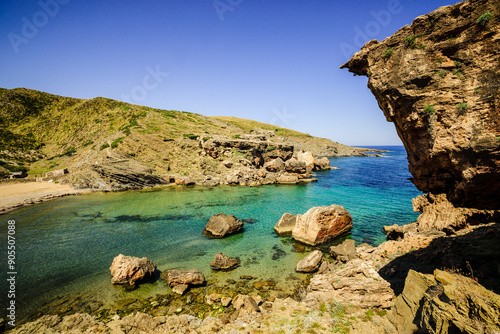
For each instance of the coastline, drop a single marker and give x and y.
(18, 194)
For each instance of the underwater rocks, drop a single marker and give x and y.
(180, 280)
(286, 224)
(224, 262)
(222, 225)
(310, 263)
(129, 269)
(321, 224)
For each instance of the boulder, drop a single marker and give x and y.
(224, 262)
(397, 232)
(222, 225)
(286, 224)
(321, 224)
(129, 269)
(322, 163)
(357, 284)
(275, 165)
(294, 166)
(307, 158)
(345, 251)
(186, 277)
(310, 263)
(287, 179)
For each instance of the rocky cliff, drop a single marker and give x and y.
(438, 81)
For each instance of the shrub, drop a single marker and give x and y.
(236, 136)
(388, 52)
(410, 41)
(190, 136)
(429, 109)
(484, 19)
(116, 142)
(103, 146)
(422, 46)
(69, 151)
(442, 73)
(439, 60)
(462, 106)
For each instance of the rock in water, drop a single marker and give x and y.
(187, 277)
(130, 269)
(321, 224)
(221, 225)
(224, 262)
(345, 251)
(310, 263)
(286, 224)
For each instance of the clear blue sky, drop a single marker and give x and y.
(272, 61)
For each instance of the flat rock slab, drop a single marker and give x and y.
(345, 251)
(222, 225)
(187, 277)
(128, 270)
(286, 224)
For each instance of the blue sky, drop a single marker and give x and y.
(272, 61)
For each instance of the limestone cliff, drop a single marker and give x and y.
(438, 81)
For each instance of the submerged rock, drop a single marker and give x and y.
(321, 224)
(310, 263)
(224, 262)
(187, 277)
(286, 224)
(222, 225)
(129, 269)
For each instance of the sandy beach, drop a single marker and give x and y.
(14, 195)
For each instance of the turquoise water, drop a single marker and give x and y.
(67, 245)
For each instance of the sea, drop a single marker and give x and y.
(66, 246)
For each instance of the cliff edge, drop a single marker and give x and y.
(438, 81)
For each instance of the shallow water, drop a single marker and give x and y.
(67, 245)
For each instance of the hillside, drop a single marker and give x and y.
(41, 132)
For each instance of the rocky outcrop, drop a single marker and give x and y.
(286, 224)
(445, 302)
(129, 270)
(321, 224)
(438, 80)
(344, 252)
(224, 262)
(180, 280)
(275, 165)
(358, 283)
(222, 225)
(310, 263)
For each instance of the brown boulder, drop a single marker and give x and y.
(286, 224)
(186, 277)
(287, 179)
(295, 166)
(275, 165)
(310, 263)
(321, 224)
(224, 262)
(222, 225)
(130, 269)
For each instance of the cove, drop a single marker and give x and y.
(66, 246)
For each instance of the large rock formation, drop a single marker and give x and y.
(438, 81)
(129, 269)
(222, 225)
(321, 224)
